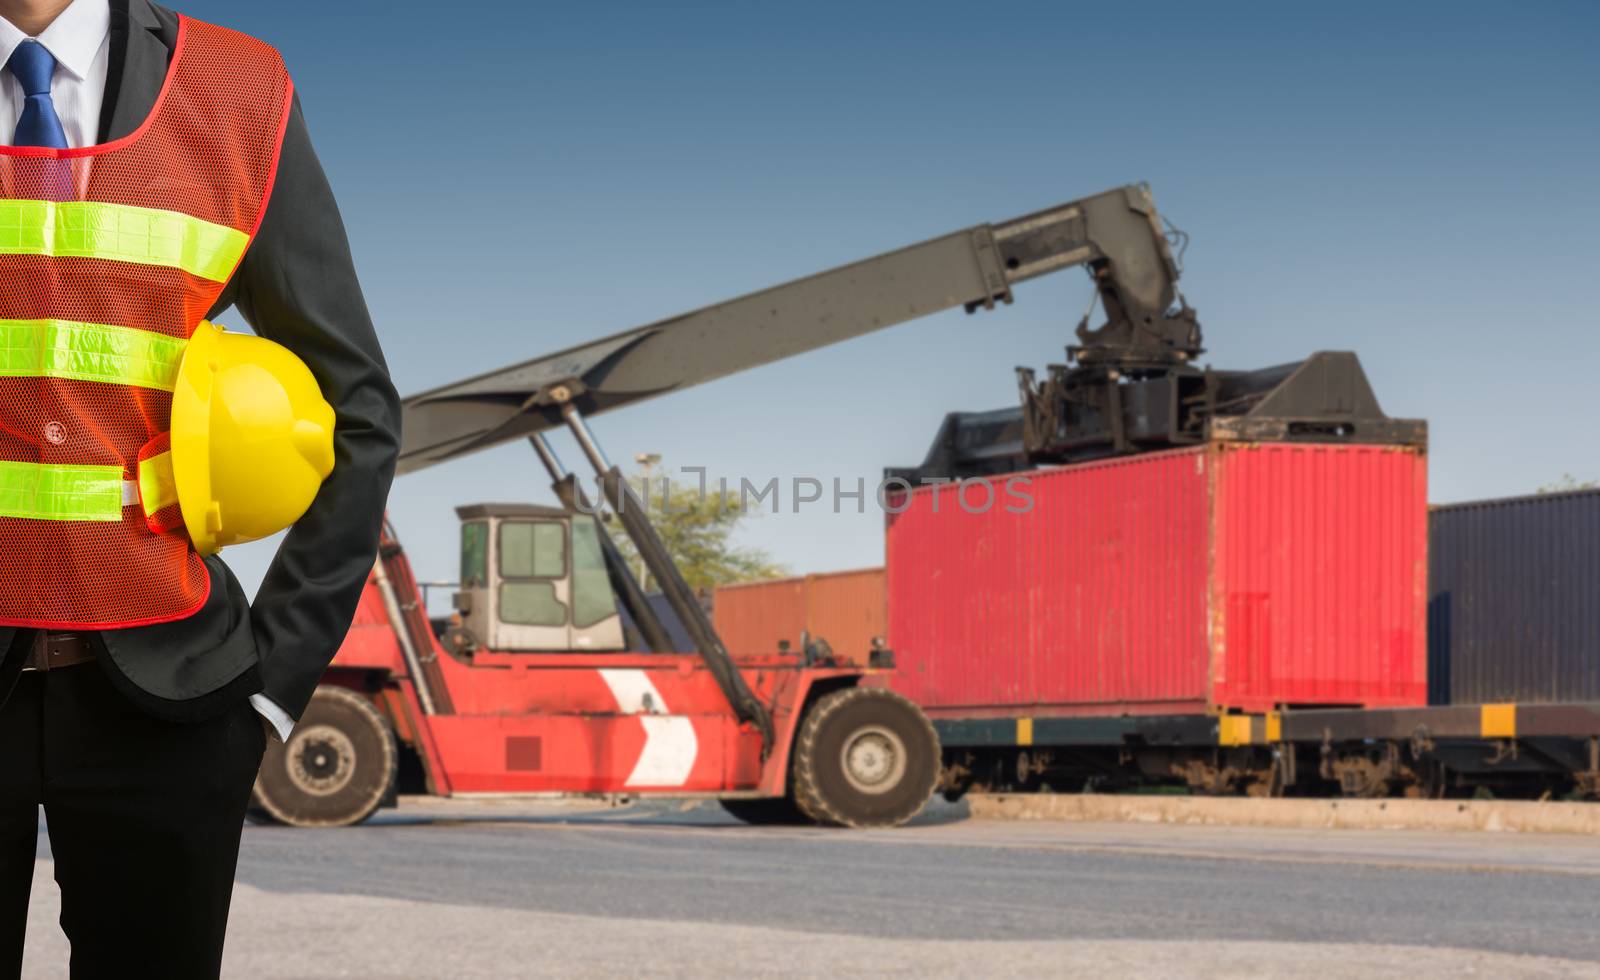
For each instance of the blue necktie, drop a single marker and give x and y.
(33, 66)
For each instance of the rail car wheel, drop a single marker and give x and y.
(864, 757)
(1587, 786)
(337, 767)
(1437, 782)
(766, 813)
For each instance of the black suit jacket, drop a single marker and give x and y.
(296, 285)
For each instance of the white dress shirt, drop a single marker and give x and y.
(79, 39)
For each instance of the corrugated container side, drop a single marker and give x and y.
(1237, 576)
(1320, 576)
(753, 617)
(1514, 600)
(1083, 585)
(848, 610)
(845, 608)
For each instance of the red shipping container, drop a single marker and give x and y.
(1229, 576)
(845, 608)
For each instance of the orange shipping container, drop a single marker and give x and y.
(752, 617)
(845, 608)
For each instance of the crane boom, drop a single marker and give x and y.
(1117, 234)
(1129, 385)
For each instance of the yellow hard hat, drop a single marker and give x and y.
(252, 438)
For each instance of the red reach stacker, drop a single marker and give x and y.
(558, 677)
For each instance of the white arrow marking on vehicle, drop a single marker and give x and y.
(670, 745)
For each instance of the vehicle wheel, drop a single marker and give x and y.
(337, 767)
(1439, 783)
(771, 812)
(864, 757)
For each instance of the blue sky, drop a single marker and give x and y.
(1412, 182)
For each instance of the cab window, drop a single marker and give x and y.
(532, 557)
(533, 549)
(592, 601)
(474, 555)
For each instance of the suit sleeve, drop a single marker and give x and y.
(297, 285)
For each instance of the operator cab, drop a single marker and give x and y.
(534, 579)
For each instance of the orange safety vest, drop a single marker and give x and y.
(110, 256)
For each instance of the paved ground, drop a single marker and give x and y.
(479, 889)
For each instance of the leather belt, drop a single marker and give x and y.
(53, 651)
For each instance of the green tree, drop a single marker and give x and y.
(698, 531)
(1568, 483)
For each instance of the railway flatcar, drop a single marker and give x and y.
(1512, 610)
(1170, 627)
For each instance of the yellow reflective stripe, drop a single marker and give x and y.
(89, 352)
(122, 233)
(60, 492)
(157, 486)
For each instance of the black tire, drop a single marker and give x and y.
(771, 812)
(864, 757)
(337, 768)
(261, 818)
(955, 794)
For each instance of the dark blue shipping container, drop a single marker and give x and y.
(1514, 600)
(676, 632)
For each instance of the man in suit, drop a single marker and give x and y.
(141, 738)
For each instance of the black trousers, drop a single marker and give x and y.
(144, 818)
